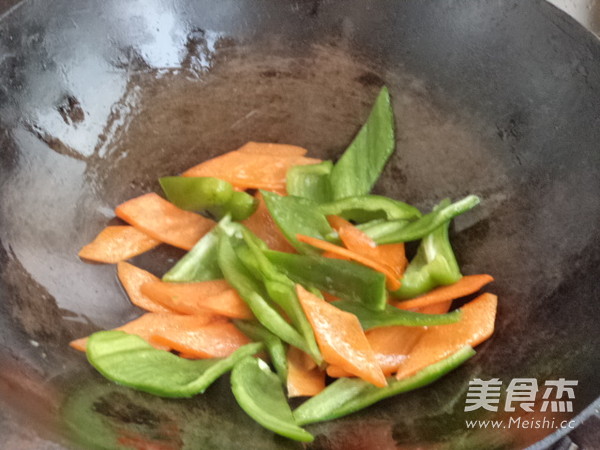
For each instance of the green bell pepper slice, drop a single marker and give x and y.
(199, 264)
(433, 265)
(359, 167)
(344, 279)
(310, 181)
(297, 215)
(259, 393)
(402, 231)
(129, 360)
(253, 293)
(392, 316)
(274, 345)
(366, 208)
(208, 194)
(348, 395)
(282, 291)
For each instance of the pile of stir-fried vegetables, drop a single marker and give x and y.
(300, 284)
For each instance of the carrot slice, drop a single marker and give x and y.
(262, 224)
(354, 239)
(117, 243)
(215, 340)
(157, 323)
(132, 278)
(391, 280)
(391, 346)
(215, 296)
(251, 169)
(164, 221)
(341, 338)
(438, 342)
(265, 148)
(438, 308)
(302, 382)
(468, 284)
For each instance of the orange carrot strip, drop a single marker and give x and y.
(265, 148)
(164, 221)
(132, 278)
(354, 239)
(391, 280)
(302, 382)
(438, 308)
(262, 224)
(215, 296)
(341, 338)
(157, 323)
(468, 284)
(391, 346)
(117, 243)
(251, 169)
(215, 340)
(438, 342)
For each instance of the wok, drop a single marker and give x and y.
(99, 99)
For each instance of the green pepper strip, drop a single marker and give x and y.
(433, 265)
(393, 316)
(392, 232)
(274, 345)
(310, 181)
(206, 193)
(359, 167)
(199, 264)
(281, 289)
(129, 360)
(344, 279)
(253, 294)
(297, 215)
(259, 393)
(370, 207)
(348, 395)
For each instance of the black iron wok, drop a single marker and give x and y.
(99, 99)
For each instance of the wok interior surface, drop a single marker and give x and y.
(99, 99)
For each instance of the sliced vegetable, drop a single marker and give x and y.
(132, 278)
(302, 381)
(390, 232)
(344, 279)
(467, 285)
(366, 208)
(348, 395)
(476, 325)
(258, 392)
(311, 182)
(433, 265)
(196, 193)
(253, 294)
(438, 308)
(131, 361)
(199, 264)
(391, 277)
(274, 345)
(359, 167)
(164, 221)
(250, 169)
(209, 341)
(267, 148)
(297, 215)
(154, 323)
(117, 243)
(281, 290)
(393, 316)
(214, 296)
(262, 225)
(390, 255)
(340, 338)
